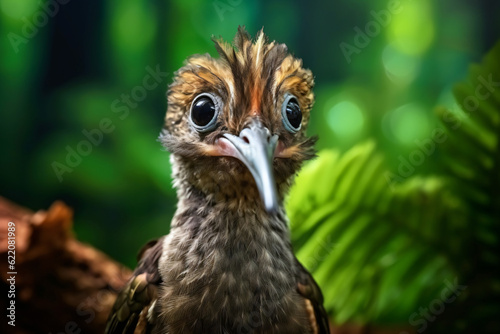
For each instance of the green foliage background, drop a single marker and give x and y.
(382, 252)
(403, 198)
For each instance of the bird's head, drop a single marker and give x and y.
(236, 125)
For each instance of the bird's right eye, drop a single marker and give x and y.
(204, 111)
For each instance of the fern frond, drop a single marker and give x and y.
(373, 249)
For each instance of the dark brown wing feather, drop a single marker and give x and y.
(309, 289)
(129, 313)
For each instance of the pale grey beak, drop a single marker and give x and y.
(255, 148)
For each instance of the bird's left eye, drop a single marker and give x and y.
(291, 114)
(204, 111)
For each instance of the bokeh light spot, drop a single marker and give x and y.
(18, 9)
(408, 123)
(400, 67)
(133, 27)
(345, 119)
(412, 30)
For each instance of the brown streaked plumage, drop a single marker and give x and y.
(235, 127)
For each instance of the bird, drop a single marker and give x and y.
(235, 128)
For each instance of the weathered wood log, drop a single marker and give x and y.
(61, 285)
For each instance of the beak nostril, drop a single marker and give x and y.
(245, 139)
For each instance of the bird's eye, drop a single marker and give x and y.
(204, 111)
(291, 113)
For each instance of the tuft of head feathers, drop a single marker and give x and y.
(250, 76)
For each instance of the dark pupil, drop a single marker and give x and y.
(293, 113)
(203, 111)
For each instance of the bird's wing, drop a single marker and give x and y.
(309, 289)
(130, 311)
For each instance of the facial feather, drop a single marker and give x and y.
(251, 78)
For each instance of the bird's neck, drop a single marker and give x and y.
(225, 218)
(226, 261)
(231, 189)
